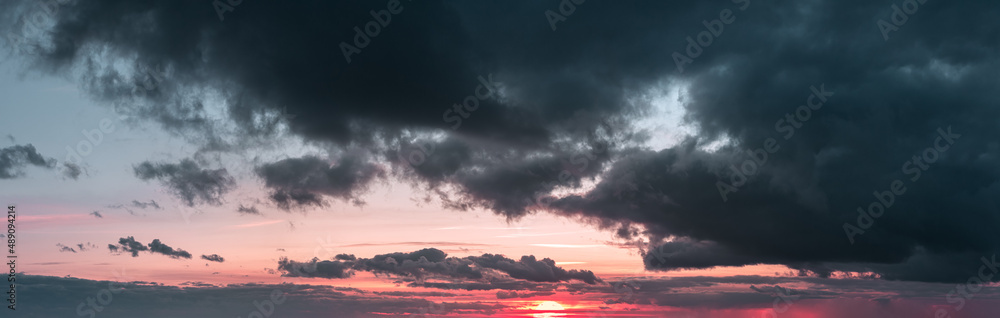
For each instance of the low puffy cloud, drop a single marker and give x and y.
(529, 268)
(188, 180)
(315, 268)
(15, 158)
(431, 262)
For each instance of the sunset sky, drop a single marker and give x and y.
(725, 158)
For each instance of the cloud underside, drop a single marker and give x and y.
(431, 262)
(551, 110)
(188, 180)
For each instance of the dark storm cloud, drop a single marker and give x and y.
(431, 262)
(213, 258)
(15, 158)
(547, 97)
(304, 181)
(883, 111)
(188, 180)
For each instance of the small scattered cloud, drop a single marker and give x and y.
(143, 205)
(82, 247)
(248, 210)
(130, 245)
(72, 170)
(15, 158)
(136, 204)
(213, 258)
(157, 247)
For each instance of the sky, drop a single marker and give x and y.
(724, 158)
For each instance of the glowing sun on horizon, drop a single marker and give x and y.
(549, 306)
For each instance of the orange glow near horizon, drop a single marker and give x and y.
(548, 308)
